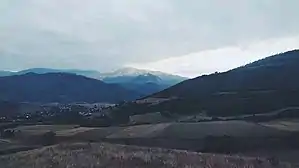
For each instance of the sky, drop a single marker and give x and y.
(188, 38)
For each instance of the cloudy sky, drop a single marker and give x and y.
(186, 37)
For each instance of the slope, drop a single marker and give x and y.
(262, 86)
(272, 73)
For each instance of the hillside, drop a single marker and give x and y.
(111, 156)
(260, 87)
(8, 108)
(60, 87)
(272, 73)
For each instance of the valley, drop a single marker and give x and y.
(245, 117)
(149, 84)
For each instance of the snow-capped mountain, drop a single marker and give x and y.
(128, 71)
(127, 74)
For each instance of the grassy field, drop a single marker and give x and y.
(41, 129)
(197, 130)
(170, 130)
(286, 125)
(102, 155)
(7, 146)
(35, 129)
(73, 131)
(93, 134)
(150, 118)
(218, 128)
(4, 143)
(140, 131)
(164, 130)
(211, 137)
(34, 134)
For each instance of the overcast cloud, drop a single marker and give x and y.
(107, 34)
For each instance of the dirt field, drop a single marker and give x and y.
(119, 156)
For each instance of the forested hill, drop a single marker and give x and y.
(276, 72)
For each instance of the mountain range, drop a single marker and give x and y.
(143, 81)
(61, 88)
(260, 87)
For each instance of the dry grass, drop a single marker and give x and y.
(83, 155)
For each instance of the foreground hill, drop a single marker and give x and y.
(259, 87)
(273, 73)
(62, 88)
(112, 156)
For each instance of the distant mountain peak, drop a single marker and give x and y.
(147, 78)
(128, 71)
